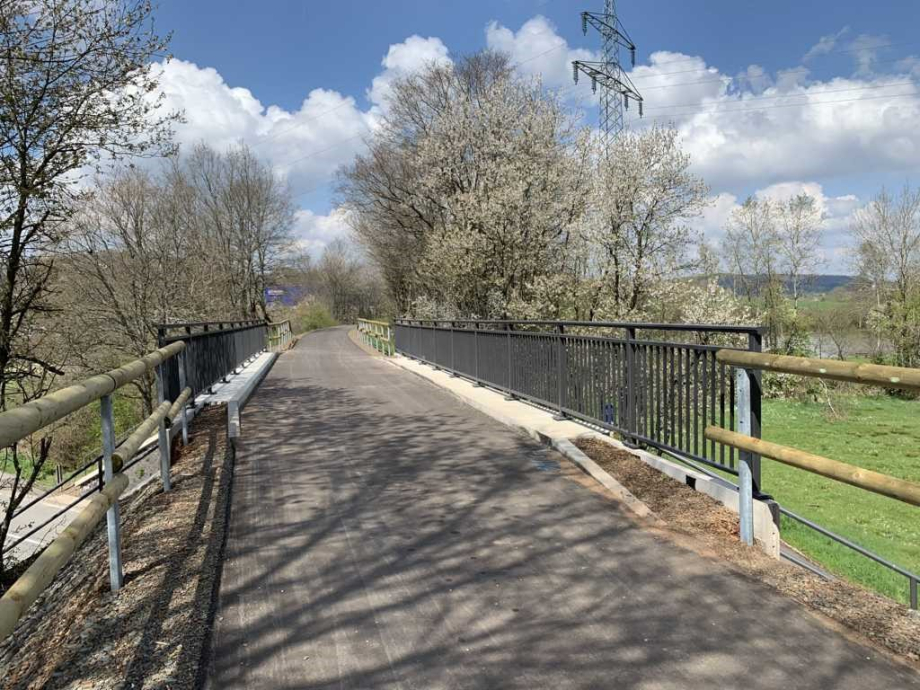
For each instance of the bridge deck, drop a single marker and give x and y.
(384, 535)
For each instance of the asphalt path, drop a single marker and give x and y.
(383, 535)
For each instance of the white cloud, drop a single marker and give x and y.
(314, 232)
(825, 45)
(306, 145)
(403, 58)
(671, 80)
(537, 50)
(822, 129)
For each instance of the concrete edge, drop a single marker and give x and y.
(234, 428)
(766, 532)
(589, 467)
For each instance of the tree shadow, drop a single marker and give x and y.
(382, 534)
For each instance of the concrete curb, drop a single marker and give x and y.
(239, 401)
(588, 466)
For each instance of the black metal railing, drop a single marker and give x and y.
(214, 350)
(661, 389)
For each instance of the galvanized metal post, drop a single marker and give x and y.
(112, 516)
(163, 435)
(183, 414)
(745, 476)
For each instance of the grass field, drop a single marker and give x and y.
(878, 433)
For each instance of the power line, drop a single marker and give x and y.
(787, 105)
(830, 52)
(789, 95)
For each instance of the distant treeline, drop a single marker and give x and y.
(810, 284)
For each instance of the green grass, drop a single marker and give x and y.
(877, 433)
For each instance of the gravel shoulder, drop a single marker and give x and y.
(885, 623)
(153, 632)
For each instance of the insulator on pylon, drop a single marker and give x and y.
(632, 55)
(640, 108)
(584, 23)
(626, 102)
(593, 85)
(575, 71)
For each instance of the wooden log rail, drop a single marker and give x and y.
(20, 422)
(23, 593)
(876, 482)
(26, 419)
(832, 369)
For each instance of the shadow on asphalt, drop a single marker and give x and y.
(372, 546)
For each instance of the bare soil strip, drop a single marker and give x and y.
(152, 633)
(885, 623)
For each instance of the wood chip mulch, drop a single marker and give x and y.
(151, 634)
(885, 623)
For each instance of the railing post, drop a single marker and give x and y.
(631, 416)
(509, 395)
(745, 476)
(163, 436)
(561, 373)
(183, 378)
(755, 344)
(476, 352)
(113, 514)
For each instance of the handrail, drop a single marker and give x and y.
(851, 372)
(378, 335)
(280, 335)
(832, 369)
(26, 419)
(597, 324)
(132, 444)
(30, 417)
(27, 588)
(876, 482)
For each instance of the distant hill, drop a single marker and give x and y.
(810, 284)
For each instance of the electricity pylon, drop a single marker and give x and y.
(616, 87)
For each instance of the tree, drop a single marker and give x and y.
(643, 197)
(247, 214)
(471, 186)
(75, 89)
(887, 234)
(799, 222)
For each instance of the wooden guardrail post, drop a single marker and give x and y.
(113, 514)
(163, 436)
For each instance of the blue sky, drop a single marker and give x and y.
(827, 91)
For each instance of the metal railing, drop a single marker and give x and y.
(214, 350)
(747, 363)
(637, 379)
(280, 336)
(378, 335)
(20, 422)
